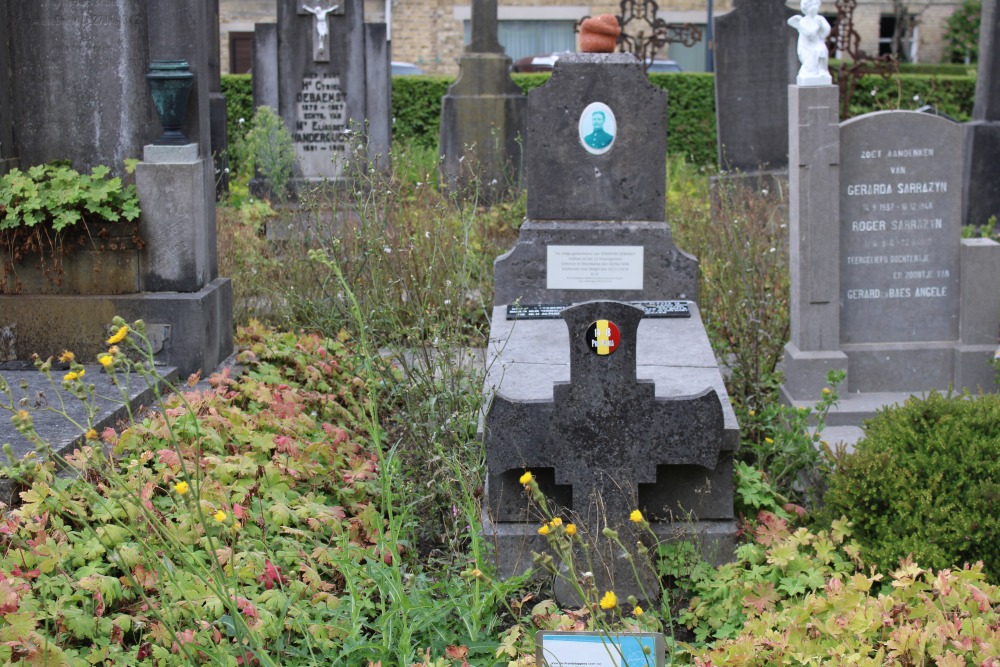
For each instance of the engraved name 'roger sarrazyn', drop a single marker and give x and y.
(900, 227)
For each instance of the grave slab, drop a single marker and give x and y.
(45, 400)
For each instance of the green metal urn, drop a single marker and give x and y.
(170, 84)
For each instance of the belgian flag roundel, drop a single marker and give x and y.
(603, 337)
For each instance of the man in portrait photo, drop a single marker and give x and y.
(598, 138)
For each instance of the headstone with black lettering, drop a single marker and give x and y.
(73, 86)
(333, 84)
(601, 378)
(905, 305)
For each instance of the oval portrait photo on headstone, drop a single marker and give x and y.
(597, 128)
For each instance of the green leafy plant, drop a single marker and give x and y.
(269, 149)
(925, 482)
(57, 197)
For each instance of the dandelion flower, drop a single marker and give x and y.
(526, 478)
(67, 357)
(609, 601)
(769, 441)
(91, 434)
(182, 488)
(555, 522)
(571, 529)
(219, 516)
(544, 530)
(638, 611)
(119, 335)
(636, 516)
(105, 360)
(71, 376)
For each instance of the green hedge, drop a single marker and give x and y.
(416, 104)
(925, 480)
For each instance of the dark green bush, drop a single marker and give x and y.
(238, 89)
(416, 103)
(925, 481)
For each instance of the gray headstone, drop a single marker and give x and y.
(900, 230)
(484, 28)
(322, 82)
(755, 62)
(619, 179)
(982, 173)
(67, 105)
(987, 105)
(265, 65)
(6, 106)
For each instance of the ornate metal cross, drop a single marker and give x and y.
(643, 33)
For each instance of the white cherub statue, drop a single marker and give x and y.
(813, 54)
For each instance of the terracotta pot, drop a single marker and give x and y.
(599, 34)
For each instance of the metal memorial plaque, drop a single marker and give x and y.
(900, 227)
(594, 267)
(552, 311)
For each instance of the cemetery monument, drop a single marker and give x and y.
(754, 63)
(883, 287)
(982, 175)
(483, 116)
(601, 381)
(58, 102)
(326, 73)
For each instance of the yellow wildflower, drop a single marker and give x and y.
(91, 434)
(555, 522)
(769, 441)
(753, 413)
(67, 357)
(119, 335)
(23, 414)
(219, 516)
(71, 376)
(477, 573)
(182, 488)
(526, 478)
(826, 391)
(105, 360)
(638, 611)
(571, 529)
(82, 372)
(636, 516)
(544, 530)
(113, 350)
(609, 601)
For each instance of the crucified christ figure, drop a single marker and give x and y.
(322, 27)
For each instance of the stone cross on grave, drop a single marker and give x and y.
(484, 28)
(603, 434)
(321, 31)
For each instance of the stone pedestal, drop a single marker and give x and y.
(483, 129)
(177, 192)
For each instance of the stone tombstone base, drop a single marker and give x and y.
(191, 331)
(653, 431)
(522, 273)
(177, 192)
(483, 129)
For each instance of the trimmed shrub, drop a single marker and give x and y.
(238, 89)
(925, 481)
(416, 103)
